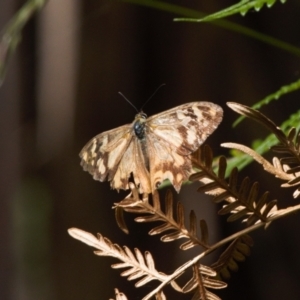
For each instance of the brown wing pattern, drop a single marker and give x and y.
(133, 161)
(102, 154)
(173, 135)
(165, 163)
(187, 126)
(113, 155)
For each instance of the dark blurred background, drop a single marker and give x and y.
(61, 90)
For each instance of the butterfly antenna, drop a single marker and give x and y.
(128, 101)
(152, 95)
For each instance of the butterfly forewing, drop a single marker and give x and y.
(103, 153)
(187, 126)
(160, 149)
(176, 133)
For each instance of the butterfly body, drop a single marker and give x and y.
(151, 149)
(139, 125)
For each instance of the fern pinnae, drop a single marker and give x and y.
(291, 135)
(180, 215)
(140, 257)
(258, 117)
(224, 195)
(226, 209)
(296, 193)
(269, 207)
(238, 215)
(208, 157)
(169, 206)
(294, 182)
(201, 281)
(297, 141)
(138, 267)
(275, 169)
(119, 296)
(233, 180)
(222, 167)
(241, 202)
(119, 216)
(208, 188)
(176, 226)
(253, 194)
(160, 296)
(193, 241)
(193, 223)
(192, 283)
(237, 251)
(180, 222)
(243, 190)
(156, 201)
(289, 160)
(204, 231)
(293, 170)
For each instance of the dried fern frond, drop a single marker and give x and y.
(258, 117)
(242, 198)
(290, 162)
(119, 296)
(160, 296)
(201, 281)
(288, 143)
(234, 253)
(287, 167)
(138, 266)
(176, 224)
(275, 169)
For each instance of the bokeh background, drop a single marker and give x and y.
(61, 90)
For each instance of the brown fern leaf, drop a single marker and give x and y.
(242, 200)
(236, 252)
(280, 170)
(258, 117)
(201, 281)
(276, 169)
(288, 147)
(138, 266)
(176, 225)
(119, 296)
(160, 296)
(119, 215)
(290, 163)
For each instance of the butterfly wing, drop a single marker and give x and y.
(113, 155)
(173, 135)
(187, 126)
(103, 153)
(133, 161)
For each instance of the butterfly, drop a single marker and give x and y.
(152, 149)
